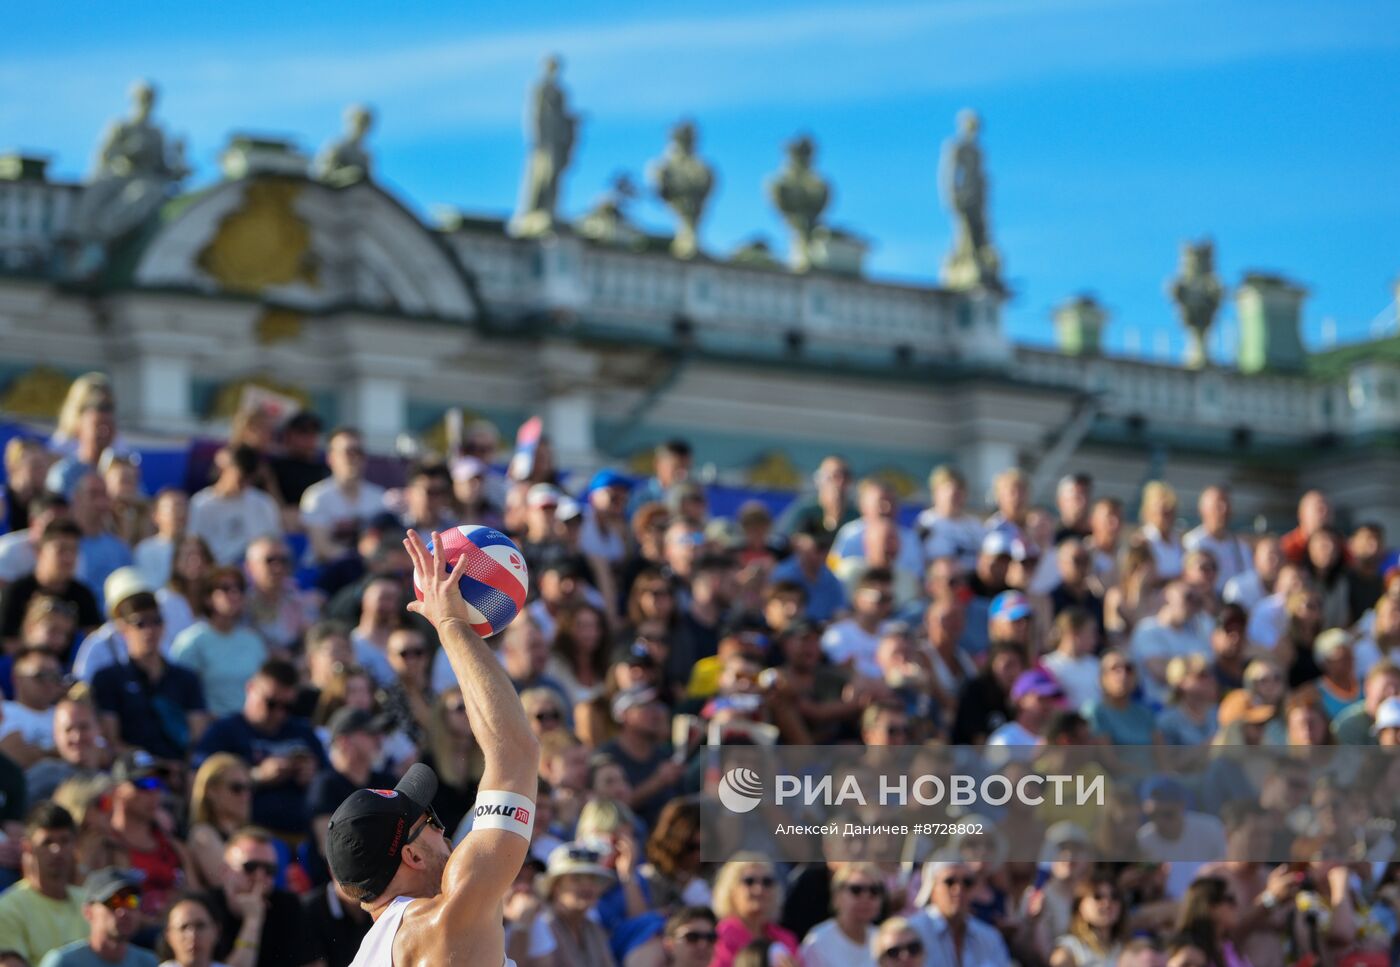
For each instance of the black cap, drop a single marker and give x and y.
(366, 834)
(636, 654)
(303, 421)
(799, 626)
(136, 765)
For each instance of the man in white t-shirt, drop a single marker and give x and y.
(231, 512)
(1175, 835)
(1232, 556)
(1178, 629)
(26, 724)
(1035, 696)
(854, 641)
(947, 529)
(1250, 587)
(334, 509)
(19, 549)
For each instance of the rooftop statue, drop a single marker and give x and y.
(134, 174)
(607, 221)
(1197, 293)
(801, 195)
(974, 262)
(346, 160)
(552, 131)
(683, 181)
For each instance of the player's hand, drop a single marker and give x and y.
(442, 596)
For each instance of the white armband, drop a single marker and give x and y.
(504, 810)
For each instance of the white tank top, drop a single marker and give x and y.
(377, 949)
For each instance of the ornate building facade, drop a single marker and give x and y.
(316, 282)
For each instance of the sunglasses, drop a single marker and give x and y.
(766, 882)
(277, 705)
(412, 653)
(146, 622)
(698, 936)
(911, 950)
(258, 866)
(353, 451)
(229, 588)
(237, 788)
(149, 784)
(548, 715)
(865, 889)
(581, 854)
(47, 678)
(429, 819)
(952, 881)
(277, 559)
(126, 900)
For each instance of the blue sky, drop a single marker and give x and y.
(1114, 129)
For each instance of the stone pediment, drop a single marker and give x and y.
(306, 245)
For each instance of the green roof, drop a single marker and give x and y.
(1336, 362)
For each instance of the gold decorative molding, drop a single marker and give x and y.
(903, 484)
(37, 394)
(435, 437)
(642, 463)
(229, 398)
(262, 243)
(774, 470)
(277, 325)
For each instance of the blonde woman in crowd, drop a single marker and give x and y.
(847, 938)
(748, 896)
(221, 801)
(1158, 516)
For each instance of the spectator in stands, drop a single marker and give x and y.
(107, 646)
(1074, 496)
(1302, 624)
(1171, 825)
(130, 508)
(857, 895)
(381, 614)
(1386, 729)
(221, 803)
(1136, 596)
(641, 747)
(571, 887)
(1011, 491)
(1075, 639)
(283, 752)
(1198, 571)
(355, 744)
(1338, 686)
(1074, 562)
(1229, 648)
(606, 534)
(806, 566)
(1035, 697)
(561, 587)
(252, 913)
(220, 649)
(747, 899)
(180, 598)
(142, 783)
(94, 432)
(1268, 619)
(673, 461)
(337, 922)
(77, 747)
(1177, 629)
(1353, 725)
(190, 933)
(1118, 717)
(897, 944)
(1158, 516)
(1105, 534)
(111, 900)
(828, 509)
(298, 465)
(983, 703)
(579, 661)
(26, 725)
(687, 501)
(986, 582)
(26, 463)
(154, 557)
(146, 702)
(54, 567)
(276, 609)
(1314, 513)
(427, 500)
(231, 512)
(334, 509)
(1213, 534)
(19, 550)
(1364, 552)
(1011, 618)
(702, 614)
(946, 528)
(1190, 716)
(1098, 927)
(878, 503)
(945, 925)
(44, 911)
(1209, 917)
(1326, 566)
(852, 642)
(1250, 587)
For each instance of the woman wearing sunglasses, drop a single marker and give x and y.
(857, 900)
(1209, 915)
(897, 944)
(1097, 927)
(221, 803)
(748, 897)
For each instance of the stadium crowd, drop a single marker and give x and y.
(194, 681)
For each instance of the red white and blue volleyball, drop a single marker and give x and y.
(496, 579)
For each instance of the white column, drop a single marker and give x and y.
(377, 406)
(163, 385)
(981, 462)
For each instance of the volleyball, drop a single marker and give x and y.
(496, 579)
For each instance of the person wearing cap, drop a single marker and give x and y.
(1386, 728)
(356, 737)
(1011, 617)
(137, 804)
(111, 907)
(55, 564)
(642, 748)
(673, 461)
(26, 724)
(605, 533)
(333, 509)
(574, 880)
(107, 646)
(1035, 696)
(387, 848)
(44, 910)
(1355, 725)
(259, 923)
(1173, 830)
(298, 463)
(147, 702)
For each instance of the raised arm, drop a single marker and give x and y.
(485, 865)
